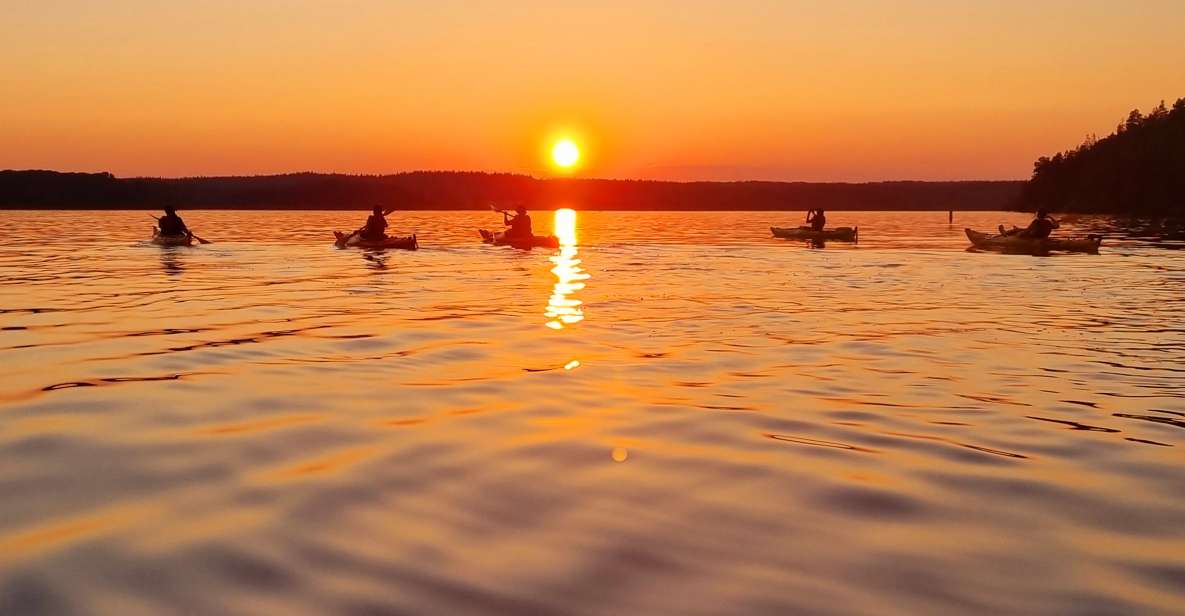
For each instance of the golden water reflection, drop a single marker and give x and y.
(563, 309)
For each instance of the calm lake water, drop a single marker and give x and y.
(678, 414)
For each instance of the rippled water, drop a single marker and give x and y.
(678, 414)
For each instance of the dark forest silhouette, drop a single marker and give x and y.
(1138, 169)
(447, 190)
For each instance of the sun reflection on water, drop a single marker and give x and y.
(562, 308)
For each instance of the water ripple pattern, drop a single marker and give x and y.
(673, 413)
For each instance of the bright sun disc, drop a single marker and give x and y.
(565, 153)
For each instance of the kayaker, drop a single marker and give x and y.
(376, 226)
(171, 224)
(520, 223)
(1039, 229)
(816, 219)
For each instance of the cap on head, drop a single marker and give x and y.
(378, 210)
(1042, 213)
(522, 209)
(170, 210)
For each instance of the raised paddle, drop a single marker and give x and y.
(493, 207)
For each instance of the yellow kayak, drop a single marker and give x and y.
(1028, 245)
(839, 234)
(171, 240)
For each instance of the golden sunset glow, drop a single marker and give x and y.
(597, 308)
(565, 153)
(919, 89)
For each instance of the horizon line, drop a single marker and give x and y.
(510, 173)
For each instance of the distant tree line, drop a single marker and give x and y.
(1138, 169)
(448, 190)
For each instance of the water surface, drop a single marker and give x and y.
(675, 414)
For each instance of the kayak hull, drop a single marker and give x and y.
(171, 240)
(838, 234)
(522, 243)
(353, 240)
(1028, 245)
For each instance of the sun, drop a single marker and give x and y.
(565, 153)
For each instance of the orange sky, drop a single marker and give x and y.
(736, 89)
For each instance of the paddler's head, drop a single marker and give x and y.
(170, 210)
(1042, 213)
(378, 211)
(522, 209)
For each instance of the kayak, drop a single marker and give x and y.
(354, 240)
(1030, 245)
(171, 240)
(522, 243)
(839, 234)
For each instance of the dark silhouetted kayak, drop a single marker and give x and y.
(354, 240)
(1029, 245)
(838, 234)
(171, 240)
(522, 243)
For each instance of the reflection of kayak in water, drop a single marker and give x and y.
(355, 240)
(523, 243)
(1030, 245)
(171, 240)
(839, 234)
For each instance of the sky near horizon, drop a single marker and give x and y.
(714, 90)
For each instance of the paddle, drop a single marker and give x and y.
(191, 233)
(504, 214)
